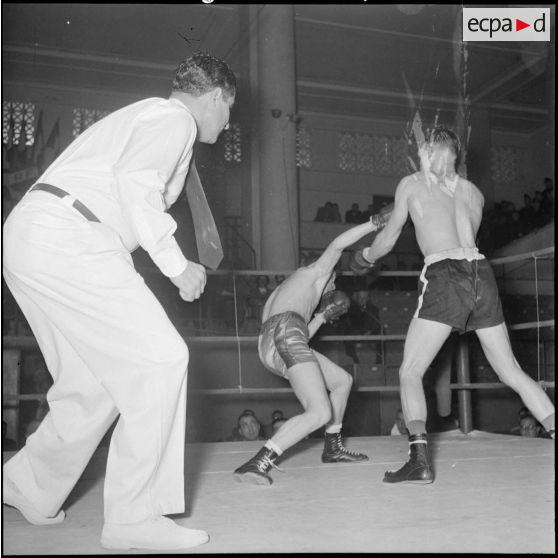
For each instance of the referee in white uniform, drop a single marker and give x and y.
(107, 342)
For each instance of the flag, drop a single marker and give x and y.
(22, 148)
(10, 150)
(38, 142)
(51, 148)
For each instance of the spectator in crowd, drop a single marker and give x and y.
(548, 193)
(7, 443)
(503, 223)
(336, 214)
(527, 212)
(529, 427)
(399, 428)
(329, 213)
(268, 428)
(362, 318)
(516, 228)
(405, 283)
(384, 283)
(321, 213)
(276, 424)
(371, 210)
(247, 429)
(354, 215)
(256, 297)
(539, 218)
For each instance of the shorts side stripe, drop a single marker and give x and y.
(421, 296)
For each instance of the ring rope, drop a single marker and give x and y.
(538, 322)
(237, 334)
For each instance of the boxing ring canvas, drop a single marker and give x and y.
(493, 493)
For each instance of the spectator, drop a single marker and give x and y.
(548, 194)
(248, 428)
(7, 443)
(354, 215)
(275, 416)
(539, 218)
(329, 213)
(320, 214)
(384, 283)
(362, 318)
(404, 283)
(399, 428)
(527, 426)
(549, 187)
(516, 229)
(276, 424)
(336, 214)
(526, 213)
(369, 212)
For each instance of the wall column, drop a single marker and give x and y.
(478, 154)
(276, 137)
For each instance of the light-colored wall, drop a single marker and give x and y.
(325, 181)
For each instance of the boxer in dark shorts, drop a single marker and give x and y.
(458, 288)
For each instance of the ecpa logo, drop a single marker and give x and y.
(506, 24)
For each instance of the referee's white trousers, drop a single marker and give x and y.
(111, 349)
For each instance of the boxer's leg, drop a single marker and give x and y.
(339, 383)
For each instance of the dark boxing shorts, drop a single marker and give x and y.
(283, 342)
(458, 288)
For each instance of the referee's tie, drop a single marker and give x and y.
(210, 251)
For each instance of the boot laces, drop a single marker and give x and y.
(341, 448)
(265, 463)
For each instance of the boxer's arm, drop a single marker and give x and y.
(385, 240)
(329, 258)
(315, 323)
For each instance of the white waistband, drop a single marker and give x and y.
(460, 253)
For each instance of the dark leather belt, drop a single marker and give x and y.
(58, 192)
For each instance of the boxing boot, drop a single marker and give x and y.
(255, 470)
(418, 469)
(335, 452)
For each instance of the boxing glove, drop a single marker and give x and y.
(333, 305)
(381, 218)
(359, 264)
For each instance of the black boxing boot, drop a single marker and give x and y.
(335, 452)
(418, 469)
(255, 470)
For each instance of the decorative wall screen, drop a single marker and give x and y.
(367, 153)
(85, 117)
(18, 118)
(303, 148)
(503, 164)
(232, 151)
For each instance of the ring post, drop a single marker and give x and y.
(464, 377)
